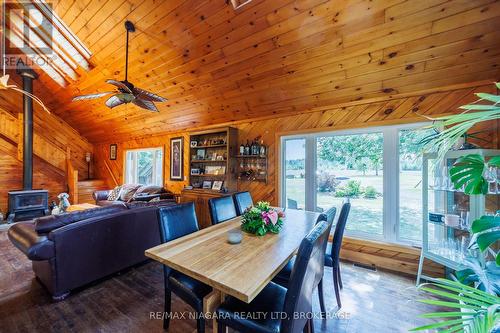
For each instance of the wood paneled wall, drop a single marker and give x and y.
(53, 139)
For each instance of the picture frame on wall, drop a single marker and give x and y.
(113, 150)
(176, 158)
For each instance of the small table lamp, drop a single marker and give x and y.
(88, 158)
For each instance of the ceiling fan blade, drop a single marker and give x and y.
(91, 96)
(148, 105)
(120, 85)
(148, 96)
(119, 99)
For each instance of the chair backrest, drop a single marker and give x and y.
(292, 204)
(339, 230)
(177, 221)
(330, 214)
(221, 209)
(306, 275)
(242, 200)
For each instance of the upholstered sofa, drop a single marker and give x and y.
(132, 193)
(71, 250)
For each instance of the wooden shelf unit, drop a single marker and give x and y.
(258, 164)
(228, 150)
(210, 145)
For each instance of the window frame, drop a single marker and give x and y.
(148, 149)
(391, 183)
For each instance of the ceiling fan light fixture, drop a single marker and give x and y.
(125, 91)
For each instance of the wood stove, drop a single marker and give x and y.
(28, 204)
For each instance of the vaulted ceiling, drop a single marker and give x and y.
(270, 57)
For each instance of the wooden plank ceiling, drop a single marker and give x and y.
(271, 57)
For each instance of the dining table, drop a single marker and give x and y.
(239, 270)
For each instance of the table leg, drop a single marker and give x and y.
(210, 304)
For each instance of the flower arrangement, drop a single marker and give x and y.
(261, 219)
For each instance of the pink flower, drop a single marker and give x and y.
(281, 214)
(273, 216)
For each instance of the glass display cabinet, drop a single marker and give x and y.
(448, 213)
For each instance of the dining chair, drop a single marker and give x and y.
(283, 277)
(275, 299)
(242, 201)
(332, 257)
(177, 221)
(221, 209)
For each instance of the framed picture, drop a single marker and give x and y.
(194, 143)
(176, 158)
(200, 154)
(217, 185)
(113, 149)
(207, 184)
(195, 172)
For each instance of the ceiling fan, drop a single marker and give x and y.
(126, 92)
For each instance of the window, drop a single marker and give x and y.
(144, 166)
(377, 169)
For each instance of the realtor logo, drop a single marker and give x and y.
(28, 33)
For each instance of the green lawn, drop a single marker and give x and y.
(366, 214)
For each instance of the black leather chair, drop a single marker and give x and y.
(273, 299)
(177, 221)
(332, 258)
(221, 209)
(242, 200)
(283, 277)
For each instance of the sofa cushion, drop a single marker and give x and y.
(114, 194)
(46, 224)
(127, 192)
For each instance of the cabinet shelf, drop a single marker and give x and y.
(252, 156)
(209, 146)
(208, 161)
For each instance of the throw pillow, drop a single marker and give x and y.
(113, 195)
(127, 192)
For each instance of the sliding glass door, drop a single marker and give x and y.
(294, 173)
(378, 170)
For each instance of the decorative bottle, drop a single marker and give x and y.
(262, 151)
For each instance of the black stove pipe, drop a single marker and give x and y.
(28, 75)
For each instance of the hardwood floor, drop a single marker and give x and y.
(372, 301)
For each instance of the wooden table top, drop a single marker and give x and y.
(241, 270)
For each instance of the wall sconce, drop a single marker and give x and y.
(88, 157)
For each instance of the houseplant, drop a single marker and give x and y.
(474, 291)
(261, 219)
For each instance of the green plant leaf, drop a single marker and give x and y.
(484, 223)
(494, 161)
(480, 107)
(438, 325)
(486, 239)
(489, 97)
(465, 298)
(446, 314)
(454, 305)
(468, 170)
